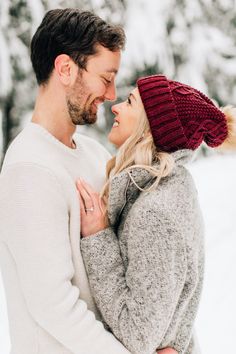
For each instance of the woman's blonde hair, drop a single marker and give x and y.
(230, 141)
(138, 151)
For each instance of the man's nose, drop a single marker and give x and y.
(111, 92)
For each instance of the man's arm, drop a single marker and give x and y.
(36, 219)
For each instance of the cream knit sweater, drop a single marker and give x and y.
(50, 307)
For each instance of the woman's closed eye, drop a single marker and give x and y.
(128, 100)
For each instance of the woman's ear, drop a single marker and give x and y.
(65, 69)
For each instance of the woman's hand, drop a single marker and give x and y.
(167, 351)
(91, 209)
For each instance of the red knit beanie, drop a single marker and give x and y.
(180, 116)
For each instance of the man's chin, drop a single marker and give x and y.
(92, 120)
(86, 119)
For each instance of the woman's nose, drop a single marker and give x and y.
(115, 108)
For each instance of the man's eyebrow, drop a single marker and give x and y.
(132, 95)
(115, 71)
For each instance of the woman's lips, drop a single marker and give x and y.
(115, 124)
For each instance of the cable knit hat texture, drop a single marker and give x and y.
(180, 116)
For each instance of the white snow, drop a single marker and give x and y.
(205, 49)
(215, 178)
(147, 39)
(37, 11)
(5, 64)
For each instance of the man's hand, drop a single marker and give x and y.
(167, 351)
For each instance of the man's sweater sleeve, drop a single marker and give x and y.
(36, 218)
(137, 302)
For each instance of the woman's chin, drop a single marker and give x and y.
(114, 140)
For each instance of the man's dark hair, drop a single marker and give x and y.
(72, 32)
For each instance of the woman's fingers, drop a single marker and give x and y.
(90, 195)
(101, 205)
(92, 218)
(86, 197)
(97, 200)
(82, 207)
(93, 194)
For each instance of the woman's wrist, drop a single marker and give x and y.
(97, 233)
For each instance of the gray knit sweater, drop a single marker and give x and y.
(146, 269)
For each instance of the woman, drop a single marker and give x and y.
(145, 263)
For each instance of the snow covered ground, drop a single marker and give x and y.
(216, 182)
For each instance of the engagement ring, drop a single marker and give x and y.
(89, 209)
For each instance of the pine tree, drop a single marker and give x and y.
(17, 82)
(191, 41)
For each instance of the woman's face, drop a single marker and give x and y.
(126, 118)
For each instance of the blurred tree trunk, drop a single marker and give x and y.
(7, 123)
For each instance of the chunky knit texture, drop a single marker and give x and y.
(146, 269)
(50, 307)
(180, 116)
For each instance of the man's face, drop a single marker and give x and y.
(93, 86)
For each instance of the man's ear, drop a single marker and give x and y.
(65, 69)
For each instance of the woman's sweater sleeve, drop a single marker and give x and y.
(36, 217)
(138, 303)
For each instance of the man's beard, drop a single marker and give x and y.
(80, 115)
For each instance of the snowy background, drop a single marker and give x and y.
(193, 41)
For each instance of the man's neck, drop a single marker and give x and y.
(52, 116)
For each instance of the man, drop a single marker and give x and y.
(75, 56)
